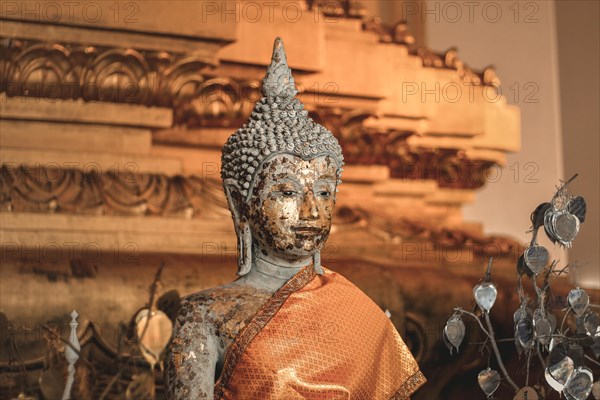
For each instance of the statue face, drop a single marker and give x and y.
(291, 206)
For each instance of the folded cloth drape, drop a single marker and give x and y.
(319, 337)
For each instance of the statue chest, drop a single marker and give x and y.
(230, 313)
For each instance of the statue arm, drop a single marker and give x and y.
(192, 357)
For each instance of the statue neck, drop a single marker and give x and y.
(280, 269)
(270, 274)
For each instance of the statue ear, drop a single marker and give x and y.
(242, 228)
(234, 200)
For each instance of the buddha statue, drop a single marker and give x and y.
(287, 327)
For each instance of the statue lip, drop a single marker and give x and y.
(307, 230)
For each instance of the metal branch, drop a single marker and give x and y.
(507, 340)
(539, 353)
(528, 364)
(538, 291)
(567, 183)
(475, 317)
(534, 236)
(488, 272)
(562, 324)
(592, 360)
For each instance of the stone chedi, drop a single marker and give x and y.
(287, 328)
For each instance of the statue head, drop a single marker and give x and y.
(280, 173)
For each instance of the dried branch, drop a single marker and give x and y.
(66, 342)
(153, 288)
(497, 352)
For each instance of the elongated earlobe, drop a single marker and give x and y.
(244, 250)
(317, 263)
(242, 227)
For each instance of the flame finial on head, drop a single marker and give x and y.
(278, 80)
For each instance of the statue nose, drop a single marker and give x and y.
(308, 208)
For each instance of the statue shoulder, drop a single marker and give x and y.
(218, 300)
(200, 299)
(221, 311)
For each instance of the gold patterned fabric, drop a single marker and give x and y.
(319, 337)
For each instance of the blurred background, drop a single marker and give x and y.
(457, 119)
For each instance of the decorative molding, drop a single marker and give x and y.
(339, 8)
(56, 70)
(361, 145)
(449, 60)
(218, 102)
(59, 70)
(72, 191)
(394, 228)
(400, 34)
(450, 168)
(162, 79)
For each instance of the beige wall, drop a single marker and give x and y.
(579, 67)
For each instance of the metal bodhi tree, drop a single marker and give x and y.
(562, 351)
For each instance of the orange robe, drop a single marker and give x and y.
(319, 337)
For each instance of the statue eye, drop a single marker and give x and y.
(324, 193)
(287, 193)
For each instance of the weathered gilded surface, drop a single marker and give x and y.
(207, 323)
